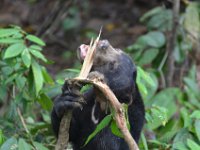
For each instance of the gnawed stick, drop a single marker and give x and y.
(116, 106)
(63, 136)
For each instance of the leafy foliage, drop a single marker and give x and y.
(172, 114)
(22, 81)
(105, 122)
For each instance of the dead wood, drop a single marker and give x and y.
(63, 136)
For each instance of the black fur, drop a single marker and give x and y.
(121, 78)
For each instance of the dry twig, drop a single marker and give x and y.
(22, 120)
(63, 136)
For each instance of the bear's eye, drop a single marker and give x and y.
(104, 44)
(104, 47)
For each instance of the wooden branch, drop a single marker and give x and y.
(116, 106)
(63, 136)
(22, 120)
(172, 42)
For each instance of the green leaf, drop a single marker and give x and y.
(11, 78)
(151, 13)
(151, 88)
(193, 145)
(60, 81)
(26, 58)
(161, 113)
(35, 39)
(158, 115)
(68, 74)
(46, 117)
(53, 91)
(115, 130)
(38, 127)
(37, 74)
(154, 39)
(8, 32)
(192, 84)
(22, 145)
(105, 122)
(186, 118)
(45, 102)
(18, 35)
(2, 138)
(192, 19)
(160, 144)
(186, 46)
(166, 99)
(20, 82)
(197, 129)
(192, 72)
(144, 141)
(14, 50)
(178, 54)
(3, 92)
(179, 145)
(31, 91)
(148, 56)
(46, 76)
(161, 21)
(7, 70)
(167, 132)
(144, 80)
(195, 114)
(135, 47)
(180, 140)
(17, 65)
(193, 100)
(35, 47)
(142, 88)
(158, 18)
(125, 107)
(37, 54)
(91, 34)
(10, 144)
(10, 41)
(39, 146)
(74, 70)
(145, 76)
